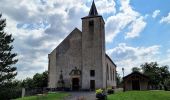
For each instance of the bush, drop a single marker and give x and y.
(98, 91)
(10, 93)
(10, 90)
(101, 95)
(110, 90)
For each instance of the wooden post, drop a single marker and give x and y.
(123, 80)
(23, 92)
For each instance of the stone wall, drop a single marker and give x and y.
(93, 51)
(65, 57)
(110, 73)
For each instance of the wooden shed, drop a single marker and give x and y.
(135, 81)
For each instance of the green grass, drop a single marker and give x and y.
(49, 96)
(140, 95)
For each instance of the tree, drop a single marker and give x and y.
(158, 75)
(28, 83)
(7, 70)
(118, 79)
(135, 69)
(164, 74)
(39, 80)
(152, 71)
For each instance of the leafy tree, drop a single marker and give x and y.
(38, 80)
(7, 70)
(164, 74)
(158, 75)
(136, 69)
(152, 71)
(118, 79)
(28, 83)
(167, 82)
(45, 79)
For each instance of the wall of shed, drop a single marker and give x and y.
(143, 84)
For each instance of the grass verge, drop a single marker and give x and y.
(49, 96)
(140, 95)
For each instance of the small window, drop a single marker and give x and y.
(91, 23)
(92, 73)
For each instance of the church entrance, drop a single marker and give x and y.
(135, 85)
(75, 84)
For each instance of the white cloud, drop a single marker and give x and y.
(166, 59)
(155, 13)
(165, 19)
(128, 57)
(38, 27)
(136, 27)
(125, 17)
(105, 6)
(43, 25)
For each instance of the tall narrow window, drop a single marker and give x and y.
(113, 75)
(92, 73)
(91, 26)
(110, 73)
(107, 72)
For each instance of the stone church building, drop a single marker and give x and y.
(80, 61)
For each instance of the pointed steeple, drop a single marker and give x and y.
(93, 10)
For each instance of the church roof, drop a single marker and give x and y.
(110, 60)
(76, 30)
(93, 10)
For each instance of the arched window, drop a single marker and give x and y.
(107, 72)
(113, 74)
(110, 73)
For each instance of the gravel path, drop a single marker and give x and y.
(81, 96)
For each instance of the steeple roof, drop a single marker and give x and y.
(93, 10)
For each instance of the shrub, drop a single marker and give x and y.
(101, 95)
(110, 90)
(98, 91)
(10, 90)
(10, 93)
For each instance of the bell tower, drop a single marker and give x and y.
(93, 50)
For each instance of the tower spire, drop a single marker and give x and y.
(93, 10)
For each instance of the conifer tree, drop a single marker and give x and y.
(7, 58)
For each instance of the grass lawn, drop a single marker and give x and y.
(49, 96)
(140, 95)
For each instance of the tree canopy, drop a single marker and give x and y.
(39, 80)
(136, 69)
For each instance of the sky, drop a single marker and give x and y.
(136, 31)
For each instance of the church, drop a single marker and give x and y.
(80, 61)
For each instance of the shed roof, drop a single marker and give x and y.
(135, 73)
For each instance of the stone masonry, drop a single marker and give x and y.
(81, 57)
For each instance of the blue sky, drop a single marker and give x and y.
(137, 31)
